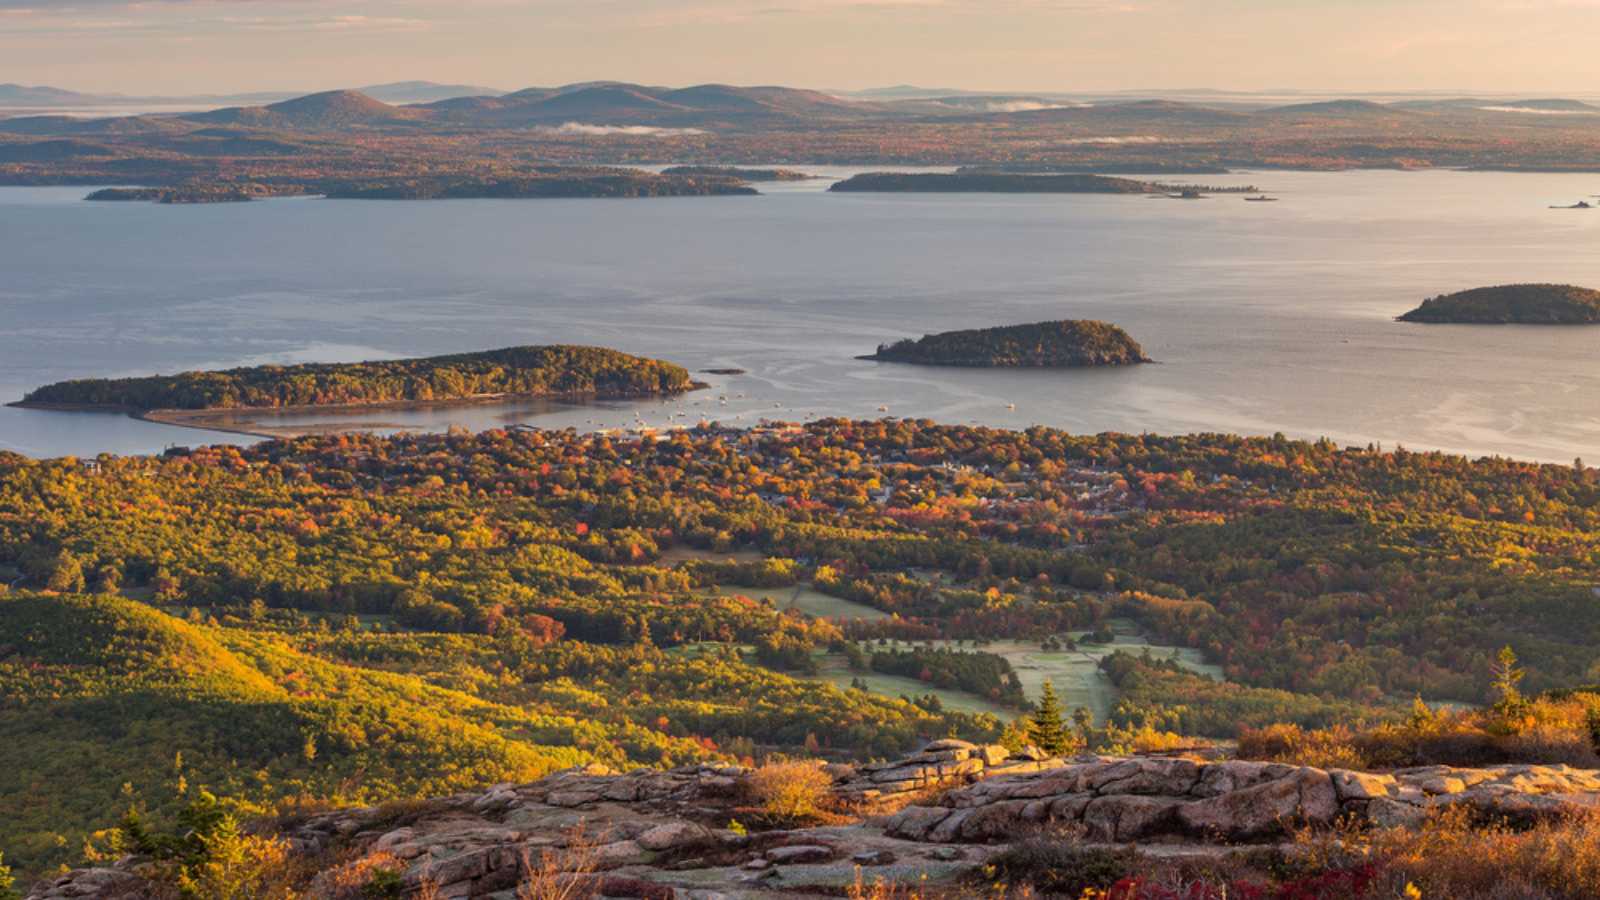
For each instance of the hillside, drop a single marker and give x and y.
(1045, 344)
(104, 692)
(531, 371)
(1512, 304)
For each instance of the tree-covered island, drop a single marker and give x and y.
(1067, 343)
(550, 371)
(1512, 304)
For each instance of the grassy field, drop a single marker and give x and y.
(810, 601)
(1075, 673)
(835, 670)
(674, 555)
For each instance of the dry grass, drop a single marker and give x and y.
(1450, 857)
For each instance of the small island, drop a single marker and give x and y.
(558, 371)
(1512, 304)
(1063, 344)
(738, 173)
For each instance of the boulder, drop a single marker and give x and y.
(675, 836)
(800, 853)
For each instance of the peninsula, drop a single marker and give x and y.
(549, 371)
(1063, 344)
(1512, 304)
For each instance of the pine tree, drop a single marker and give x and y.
(1046, 728)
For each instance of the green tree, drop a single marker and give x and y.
(1505, 675)
(1046, 728)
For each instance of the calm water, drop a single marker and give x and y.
(1265, 317)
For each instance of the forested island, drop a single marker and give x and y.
(547, 371)
(192, 194)
(1066, 343)
(632, 184)
(1512, 304)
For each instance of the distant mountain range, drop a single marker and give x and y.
(421, 105)
(21, 96)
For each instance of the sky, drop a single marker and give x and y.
(1359, 46)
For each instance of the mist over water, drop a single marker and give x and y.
(1264, 317)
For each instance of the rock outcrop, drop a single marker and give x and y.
(668, 834)
(1128, 800)
(941, 764)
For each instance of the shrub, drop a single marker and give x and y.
(791, 791)
(375, 876)
(1451, 857)
(1058, 864)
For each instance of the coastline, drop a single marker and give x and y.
(215, 419)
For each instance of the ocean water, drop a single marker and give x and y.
(1264, 317)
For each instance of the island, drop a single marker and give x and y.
(973, 181)
(629, 184)
(191, 194)
(556, 182)
(558, 371)
(741, 174)
(1512, 304)
(1063, 344)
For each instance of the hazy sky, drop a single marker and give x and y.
(189, 46)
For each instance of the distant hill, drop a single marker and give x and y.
(25, 95)
(327, 110)
(1552, 105)
(1512, 304)
(402, 92)
(1334, 108)
(1138, 112)
(64, 125)
(619, 103)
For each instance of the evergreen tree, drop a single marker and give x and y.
(1506, 675)
(1046, 728)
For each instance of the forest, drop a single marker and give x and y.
(533, 371)
(355, 618)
